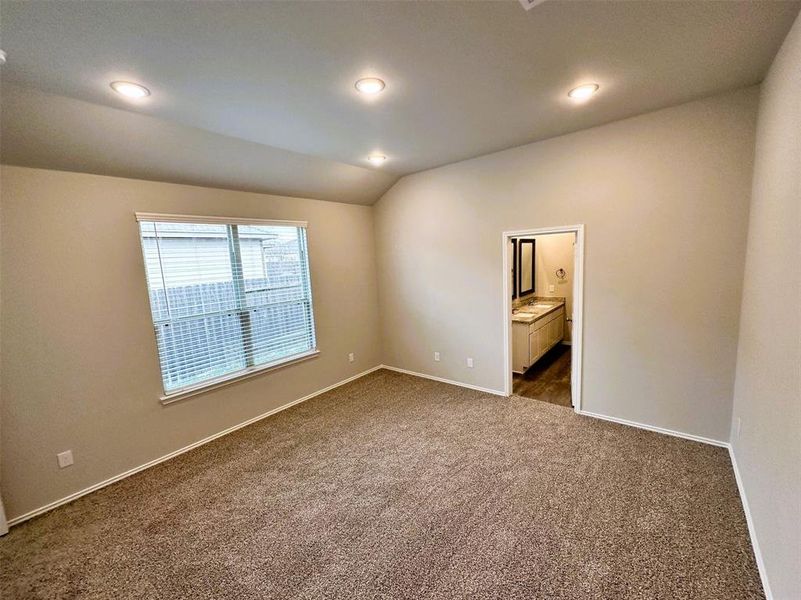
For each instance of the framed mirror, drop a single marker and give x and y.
(526, 280)
(514, 268)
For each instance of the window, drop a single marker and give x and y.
(228, 297)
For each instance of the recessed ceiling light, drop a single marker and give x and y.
(130, 90)
(377, 159)
(370, 85)
(583, 92)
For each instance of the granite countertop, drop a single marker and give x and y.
(528, 318)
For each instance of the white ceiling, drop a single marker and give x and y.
(463, 78)
(56, 132)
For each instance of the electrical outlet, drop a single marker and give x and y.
(64, 458)
(470, 362)
(551, 288)
(739, 426)
(436, 356)
(351, 357)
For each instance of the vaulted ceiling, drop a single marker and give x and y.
(260, 95)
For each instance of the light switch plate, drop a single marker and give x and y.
(529, 4)
(436, 356)
(64, 458)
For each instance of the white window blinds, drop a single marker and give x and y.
(227, 296)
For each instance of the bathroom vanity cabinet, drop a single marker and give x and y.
(533, 336)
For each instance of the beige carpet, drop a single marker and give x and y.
(399, 487)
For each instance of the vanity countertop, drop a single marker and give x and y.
(547, 307)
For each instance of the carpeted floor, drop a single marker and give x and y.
(399, 487)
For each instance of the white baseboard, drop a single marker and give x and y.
(763, 575)
(740, 487)
(102, 484)
(443, 380)
(3, 522)
(161, 459)
(680, 434)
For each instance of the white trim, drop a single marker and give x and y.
(543, 230)
(66, 499)
(213, 384)
(170, 218)
(763, 574)
(3, 522)
(577, 333)
(662, 430)
(740, 487)
(443, 380)
(679, 434)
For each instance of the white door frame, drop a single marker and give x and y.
(578, 308)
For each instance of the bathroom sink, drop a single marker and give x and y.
(538, 307)
(531, 311)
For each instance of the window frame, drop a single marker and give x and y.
(232, 222)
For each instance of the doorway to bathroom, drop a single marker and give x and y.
(543, 310)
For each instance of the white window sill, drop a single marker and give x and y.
(213, 384)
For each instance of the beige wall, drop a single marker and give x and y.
(664, 197)
(657, 193)
(79, 362)
(767, 397)
(555, 251)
